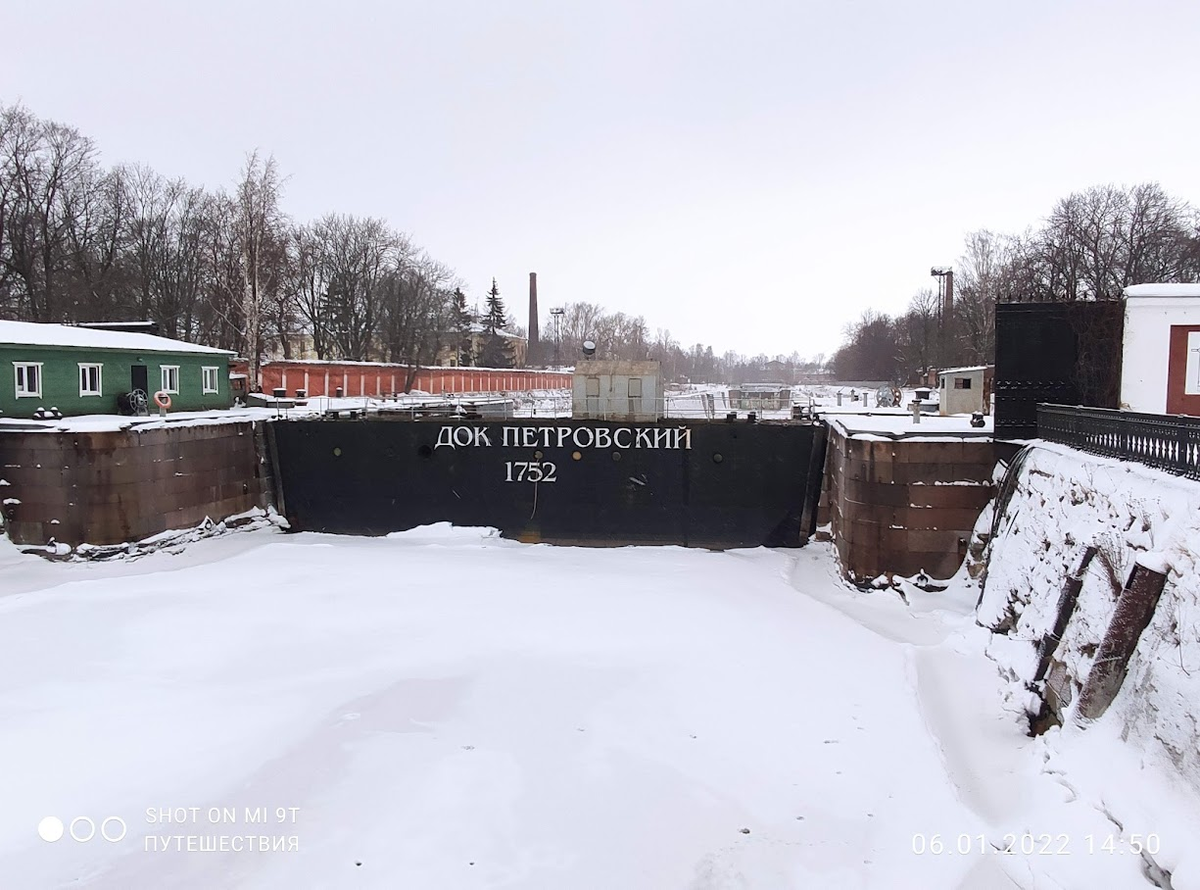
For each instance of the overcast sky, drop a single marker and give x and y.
(748, 175)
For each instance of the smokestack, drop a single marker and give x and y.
(532, 350)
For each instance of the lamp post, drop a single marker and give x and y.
(557, 314)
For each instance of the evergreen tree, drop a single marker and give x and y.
(497, 348)
(494, 319)
(460, 324)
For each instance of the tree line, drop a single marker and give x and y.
(623, 337)
(1091, 246)
(82, 242)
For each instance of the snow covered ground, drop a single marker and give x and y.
(446, 709)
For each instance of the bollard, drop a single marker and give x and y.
(839, 397)
(916, 410)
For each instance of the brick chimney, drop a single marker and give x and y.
(532, 351)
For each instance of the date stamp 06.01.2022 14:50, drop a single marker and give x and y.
(1030, 844)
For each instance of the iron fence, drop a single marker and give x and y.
(1164, 441)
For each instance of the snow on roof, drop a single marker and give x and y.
(24, 333)
(477, 328)
(1163, 290)
(963, 370)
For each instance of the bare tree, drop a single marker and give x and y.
(44, 166)
(259, 224)
(342, 266)
(417, 309)
(918, 333)
(95, 205)
(578, 324)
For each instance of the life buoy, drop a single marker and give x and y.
(162, 400)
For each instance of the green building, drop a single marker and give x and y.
(81, 370)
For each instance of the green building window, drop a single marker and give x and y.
(89, 379)
(210, 380)
(170, 378)
(29, 379)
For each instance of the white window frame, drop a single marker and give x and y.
(99, 390)
(17, 386)
(216, 386)
(162, 373)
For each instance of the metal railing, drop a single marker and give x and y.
(1167, 442)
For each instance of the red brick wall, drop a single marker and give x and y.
(321, 378)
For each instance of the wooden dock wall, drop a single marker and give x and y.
(899, 506)
(125, 485)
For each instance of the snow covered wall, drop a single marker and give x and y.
(1062, 504)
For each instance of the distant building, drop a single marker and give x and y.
(478, 338)
(82, 370)
(301, 348)
(760, 397)
(777, 370)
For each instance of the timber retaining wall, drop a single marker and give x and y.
(900, 506)
(108, 487)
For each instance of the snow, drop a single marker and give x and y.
(894, 423)
(449, 709)
(26, 333)
(966, 370)
(480, 328)
(1163, 290)
(1066, 502)
(98, 423)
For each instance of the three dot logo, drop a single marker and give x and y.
(81, 829)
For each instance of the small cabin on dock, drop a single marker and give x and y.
(80, 370)
(966, 390)
(615, 390)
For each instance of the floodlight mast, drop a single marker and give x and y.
(557, 313)
(945, 276)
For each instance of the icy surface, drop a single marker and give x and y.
(448, 709)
